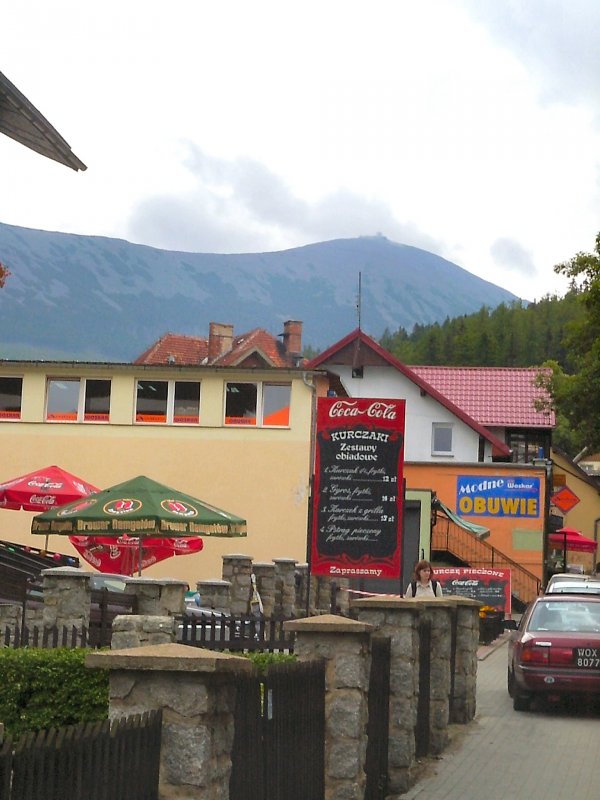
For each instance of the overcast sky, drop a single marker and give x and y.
(470, 128)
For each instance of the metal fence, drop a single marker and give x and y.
(89, 761)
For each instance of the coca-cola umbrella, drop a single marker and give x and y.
(143, 508)
(46, 488)
(122, 555)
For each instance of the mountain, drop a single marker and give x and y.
(92, 298)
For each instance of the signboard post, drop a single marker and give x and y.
(358, 489)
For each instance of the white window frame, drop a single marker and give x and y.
(80, 418)
(442, 426)
(170, 410)
(260, 387)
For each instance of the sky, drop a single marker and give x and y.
(470, 128)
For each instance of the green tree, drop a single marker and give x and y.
(576, 397)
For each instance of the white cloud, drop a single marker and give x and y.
(460, 126)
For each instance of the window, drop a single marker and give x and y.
(77, 400)
(258, 404)
(11, 390)
(441, 439)
(168, 402)
(528, 444)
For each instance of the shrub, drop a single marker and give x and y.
(264, 660)
(42, 688)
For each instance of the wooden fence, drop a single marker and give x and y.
(89, 761)
(237, 633)
(279, 743)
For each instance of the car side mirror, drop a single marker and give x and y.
(510, 624)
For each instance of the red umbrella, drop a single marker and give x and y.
(571, 539)
(43, 489)
(121, 555)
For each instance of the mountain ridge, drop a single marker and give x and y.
(87, 297)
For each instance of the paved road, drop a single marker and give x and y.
(549, 753)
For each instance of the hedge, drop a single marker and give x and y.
(42, 688)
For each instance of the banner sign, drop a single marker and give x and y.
(491, 587)
(514, 496)
(357, 499)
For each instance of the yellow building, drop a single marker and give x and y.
(237, 438)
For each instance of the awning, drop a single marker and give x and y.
(478, 530)
(573, 540)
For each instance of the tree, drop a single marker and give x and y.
(576, 398)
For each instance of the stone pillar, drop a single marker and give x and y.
(163, 597)
(195, 688)
(398, 619)
(463, 695)
(438, 611)
(10, 615)
(215, 595)
(132, 630)
(67, 597)
(344, 644)
(265, 583)
(302, 584)
(285, 586)
(237, 570)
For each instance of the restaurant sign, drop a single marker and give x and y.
(497, 496)
(358, 488)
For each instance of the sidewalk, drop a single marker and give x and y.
(550, 754)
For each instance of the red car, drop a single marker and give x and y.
(556, 650)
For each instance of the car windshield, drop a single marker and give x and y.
(580, 587)
(113, 584)
(565, 616)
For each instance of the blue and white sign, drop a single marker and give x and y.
(497, 496)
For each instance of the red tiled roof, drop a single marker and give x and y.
(255, 348)
(494, 396)
(173, 348)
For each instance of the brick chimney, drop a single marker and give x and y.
(292, 337)
(220, 339)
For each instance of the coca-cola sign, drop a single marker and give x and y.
(358, 488)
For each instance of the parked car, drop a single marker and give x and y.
(556, 649)
(567, 582)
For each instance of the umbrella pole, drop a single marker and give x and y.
(140, 557)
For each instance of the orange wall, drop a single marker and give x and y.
(516, 537)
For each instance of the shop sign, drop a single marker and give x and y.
(498, 496)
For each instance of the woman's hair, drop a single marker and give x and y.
(422, 565)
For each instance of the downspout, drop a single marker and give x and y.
(309, 382)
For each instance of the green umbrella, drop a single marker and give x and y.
(139, 507)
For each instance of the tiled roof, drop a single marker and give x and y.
(494, 396)
(256, 341)
(173, 348)
(255, 348)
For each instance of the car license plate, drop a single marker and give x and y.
(587, 657)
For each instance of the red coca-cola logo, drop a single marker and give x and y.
(376, 410)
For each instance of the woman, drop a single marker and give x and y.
(423, 584)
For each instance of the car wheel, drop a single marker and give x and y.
(510, 683)
(521, 702)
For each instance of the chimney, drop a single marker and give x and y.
(292, 337)
(220, 339)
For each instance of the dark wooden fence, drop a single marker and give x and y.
(237, 633)
(104, 608)
(279, 744)
(89, 761)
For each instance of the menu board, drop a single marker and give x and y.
(491, 587)
(358, 488)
